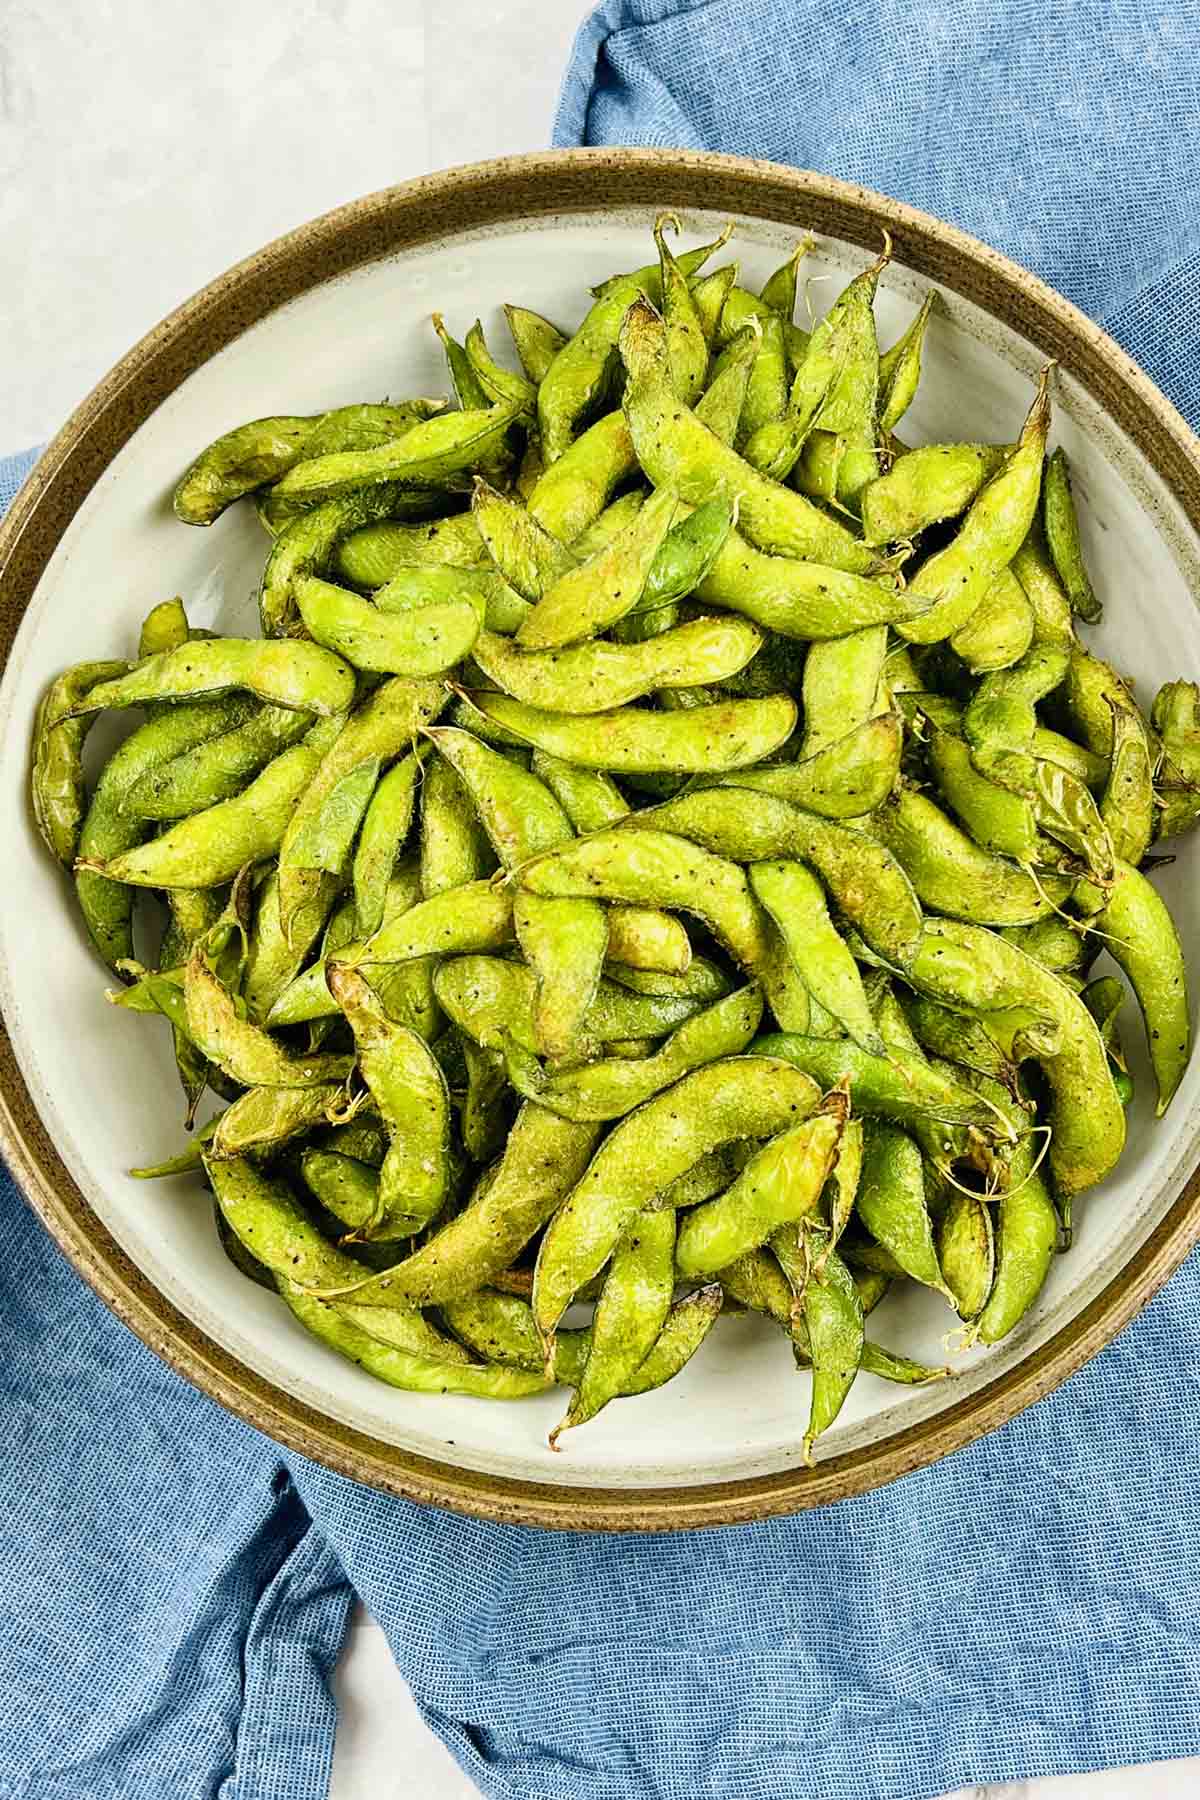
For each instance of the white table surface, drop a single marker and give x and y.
(144, 149)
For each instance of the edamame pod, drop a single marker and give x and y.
(1176, 716)
(1062, 537)
(265, 1118)
(243, 1050)
(678, 452)
(847, 779)
(740, 1097)
(966, 965)
(614, 1085)
(431, 454)
(900, 369)
(410, 1091)
(891, 1203)
(421, 641)
(630, 1314)
(833, 1320)
(370, 555)
(1140, 936)
(236, 463)
(957, 578)
(933, 482)
(591, 596)
(219, 767)
(781, 1182)
(952, 874)
(211, 846)
(657, 868)
(544, 1158)
(861, 875)
(728, 734)
(597, 676)
(57, 786)
(796, 902)
(300, 676)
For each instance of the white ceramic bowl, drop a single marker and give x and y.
(723, 1440)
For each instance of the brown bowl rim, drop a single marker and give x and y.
(381, 224)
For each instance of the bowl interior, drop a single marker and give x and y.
(103, 1079)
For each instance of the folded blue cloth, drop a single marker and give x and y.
(175, 1587)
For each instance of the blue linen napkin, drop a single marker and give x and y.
(175, 1587)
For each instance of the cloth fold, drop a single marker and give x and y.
(175, 1588)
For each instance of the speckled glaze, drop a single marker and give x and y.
(383, 225)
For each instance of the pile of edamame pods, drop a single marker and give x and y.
(653, 856)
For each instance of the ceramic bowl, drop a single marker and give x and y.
(337, 311)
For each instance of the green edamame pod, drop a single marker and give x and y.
(385, 826)
(577, 377)
(592, 596)
(273, 957)
(219, 767)
(1093, 690)
(933, 482)
(263, 1214)
(454, 845)
(951, 874)
(165, 627)
(1176, 716)
(655, 868)
(300, 676)
(687, 345)
(965, 965)
(850, 408)
(845, 780)
(501, 386)
(483, 1120)
(536, 340)
(1141, 938)
(780, 1184)
(410, 1091)
(967, 1252)
(591, 800)
(1000, 821)
(1127, 806)
(957, 578)
(767, 385)
(796, 902)
(57, 786)
(236, 463)
(431, 454)
(726, 735)
(900, 369)
(307, 546)
(891, 1203)
(243, 1050)
(490, 998)
(543, 1159)
(860, 874)
(630, 1314)
(597, 676)
(902, 1088)
(999, 631)
(346, 1187)
(833, 1320)
(422, 641)
(801, 599)
(1061, 525)
(401, 1368)
(740, 1097)
(370, 555)
(211, 846)
(527, 556)
(720, 405)
(265, 1118)
(319, 833)
(1026, 1235)
(678, 452)
(572, 492)
(614, 1085)
(841, 686)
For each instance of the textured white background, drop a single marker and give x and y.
(144, 149)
